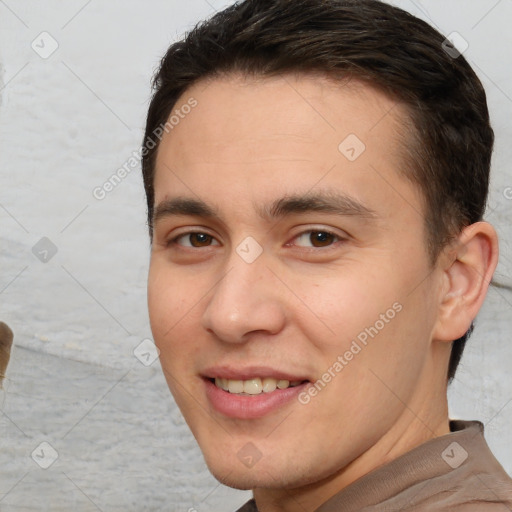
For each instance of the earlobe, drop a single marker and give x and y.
(467, 275)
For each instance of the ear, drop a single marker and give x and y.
(469, 265)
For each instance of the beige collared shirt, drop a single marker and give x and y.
(456, 472)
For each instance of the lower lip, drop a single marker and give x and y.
(248, 407)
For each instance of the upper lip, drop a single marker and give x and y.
(250, 372)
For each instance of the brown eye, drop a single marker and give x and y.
(321, 238)
(317, 238)
(194, 239)
(200, 239)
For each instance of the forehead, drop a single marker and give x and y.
(305, 106)
(288, 133)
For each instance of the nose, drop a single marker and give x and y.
(245, 301)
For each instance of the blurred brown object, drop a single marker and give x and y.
(6, 337)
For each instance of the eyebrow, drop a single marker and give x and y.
(322, 202)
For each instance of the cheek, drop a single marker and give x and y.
(370, 315)
(168, 300)
(158, 301)
(174, 321)
(171, 313)
(341, 307)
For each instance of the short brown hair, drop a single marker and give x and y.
(450, 145)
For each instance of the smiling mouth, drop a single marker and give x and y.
(254, 386)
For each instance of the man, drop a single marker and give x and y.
(316, 175)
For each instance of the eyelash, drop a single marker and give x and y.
(339, 238)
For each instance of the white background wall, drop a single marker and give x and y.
(67, 123)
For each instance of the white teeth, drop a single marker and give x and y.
(235, 386)
(222, 383)
(269, 385)
(283, 384)
(254, 386)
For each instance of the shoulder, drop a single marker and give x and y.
(475, 480)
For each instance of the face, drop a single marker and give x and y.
(290, 291)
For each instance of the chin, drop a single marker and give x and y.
(239, 482)
(248, 479)
(233, 473)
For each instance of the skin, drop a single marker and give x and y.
(299, 305)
